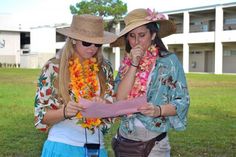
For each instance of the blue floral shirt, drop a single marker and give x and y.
(167, 86)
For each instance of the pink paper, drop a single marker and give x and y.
(102, 110)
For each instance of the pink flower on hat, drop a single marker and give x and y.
(153, 16)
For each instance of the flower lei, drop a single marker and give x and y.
(84, 84)
(142, 74)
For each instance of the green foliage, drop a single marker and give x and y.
(113, 9)
(211, 130)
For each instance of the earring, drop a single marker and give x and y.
(153, 38)
(73, 42)
(153, 42)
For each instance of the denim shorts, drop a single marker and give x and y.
(57, 149)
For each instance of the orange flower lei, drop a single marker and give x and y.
(84, 84)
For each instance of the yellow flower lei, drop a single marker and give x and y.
(84, 84)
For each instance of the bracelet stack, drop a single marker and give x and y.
(160, 111)
(64, 113)
(134, 65)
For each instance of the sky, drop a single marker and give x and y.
(48, 12)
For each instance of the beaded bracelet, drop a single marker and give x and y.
(64, 113)
(160, 110)
(134, 65)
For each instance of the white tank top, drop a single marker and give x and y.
(69, 132)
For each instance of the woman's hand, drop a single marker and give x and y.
(72, 109)
(136, 53)
(150, 110)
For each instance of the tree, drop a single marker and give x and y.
(113, 9)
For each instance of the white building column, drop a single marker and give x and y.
(116, 50)
(185, 44)
(186, 57)
(17, 60)
(218, 43)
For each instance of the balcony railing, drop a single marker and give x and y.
(230, 27)
(198, 28)
(202, 28)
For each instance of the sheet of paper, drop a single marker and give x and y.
(102, 110)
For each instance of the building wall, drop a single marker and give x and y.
(43, 47)
(34, 60)
(179, 54)
(229, 58)
(29, 61)
(43, 40)
(197, 61)
(10, 47)
(209, 61)
(229, 64)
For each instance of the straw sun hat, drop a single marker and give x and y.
(139, 17)
(88, 28)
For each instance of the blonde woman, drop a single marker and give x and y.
(78, 71)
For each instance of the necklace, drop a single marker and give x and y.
(141, 77)
(84, 84)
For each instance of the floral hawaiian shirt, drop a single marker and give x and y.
(167, 86)
(47, 93)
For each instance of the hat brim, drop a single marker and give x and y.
(106, 39)
(166, 28)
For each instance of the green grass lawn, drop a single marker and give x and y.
(211, 130)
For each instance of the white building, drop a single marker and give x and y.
(206, 38)
(205, 41)
(14, 41)
(42, 47)
(30, 48)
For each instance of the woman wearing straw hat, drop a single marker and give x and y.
(148, 68)
(79, 71)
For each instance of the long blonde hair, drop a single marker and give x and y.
(64, 75)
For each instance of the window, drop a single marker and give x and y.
(228, 53)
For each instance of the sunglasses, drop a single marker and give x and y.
(86, 44)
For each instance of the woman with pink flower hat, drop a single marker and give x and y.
(148, 68)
